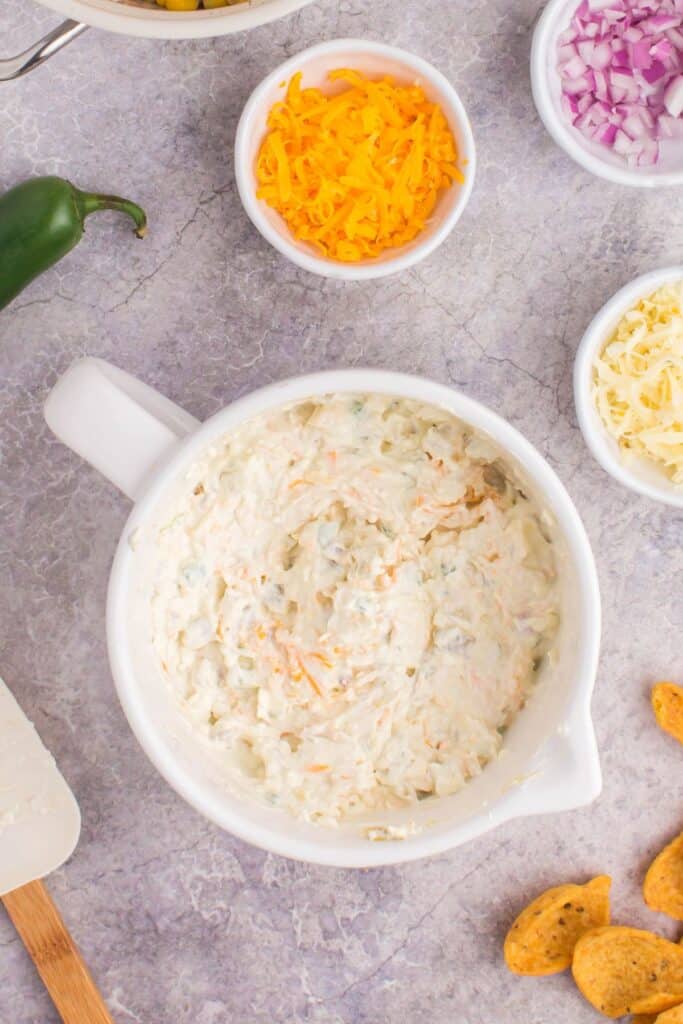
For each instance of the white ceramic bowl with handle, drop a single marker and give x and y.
(144, 444)
(637, 474)
(375, 60)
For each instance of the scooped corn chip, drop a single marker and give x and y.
(626, 970)
(663, 886)
(667, 702)
(674, 1016)
(542, 939)
(644, 1018)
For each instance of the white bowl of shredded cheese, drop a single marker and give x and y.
(353, 618)
(373, 60)
(628, 386)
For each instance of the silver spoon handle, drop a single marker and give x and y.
(14, 67)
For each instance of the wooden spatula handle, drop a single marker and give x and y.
(56, 955)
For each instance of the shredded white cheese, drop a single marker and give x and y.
(390, 833)
(638, 381)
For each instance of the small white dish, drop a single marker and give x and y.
(639, 475)
(372, 59)
(546, 89)
(131, 18)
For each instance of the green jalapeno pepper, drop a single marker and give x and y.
(41, 220)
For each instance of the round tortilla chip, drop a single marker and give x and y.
(674, 1016)
(542, 939)
(663, 885)
(667, 703)
(626, 970)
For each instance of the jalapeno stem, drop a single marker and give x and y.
(90, 202)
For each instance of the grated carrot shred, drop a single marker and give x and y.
(357, 172)
(311, 679)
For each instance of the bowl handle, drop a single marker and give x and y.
(34, 56)
(566, 774)
(119, 425)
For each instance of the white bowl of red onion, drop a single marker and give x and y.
(607, 80)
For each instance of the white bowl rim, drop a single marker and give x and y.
(594, 336)
(128, 20)
(317, 264)
(366, 854)
(563, 133)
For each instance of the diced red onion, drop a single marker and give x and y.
(622, 144)
(669, 127)
(604, 134)
(647, 116)
(568, 36)
(655, 72)
(566, 53)
(673, 96)
(573, 68)
(649, 153)
(659, 23)
(640, 54)
(601, 111)
(576, 86)
(602, 56)
(635, 128)
(570, 106)
(664, 50)
(601, 90)
(621, 70)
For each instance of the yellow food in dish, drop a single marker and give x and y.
(194, 5)
(359, 171)
(638, 381)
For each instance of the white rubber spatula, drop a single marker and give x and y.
(39, 828)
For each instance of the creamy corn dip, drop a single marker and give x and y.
(353, 598)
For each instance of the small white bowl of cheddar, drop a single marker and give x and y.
(367, 175)
(628, 386)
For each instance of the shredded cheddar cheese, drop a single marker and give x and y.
(638, 381)
(359, 171)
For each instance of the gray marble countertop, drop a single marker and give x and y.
(181, 923)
